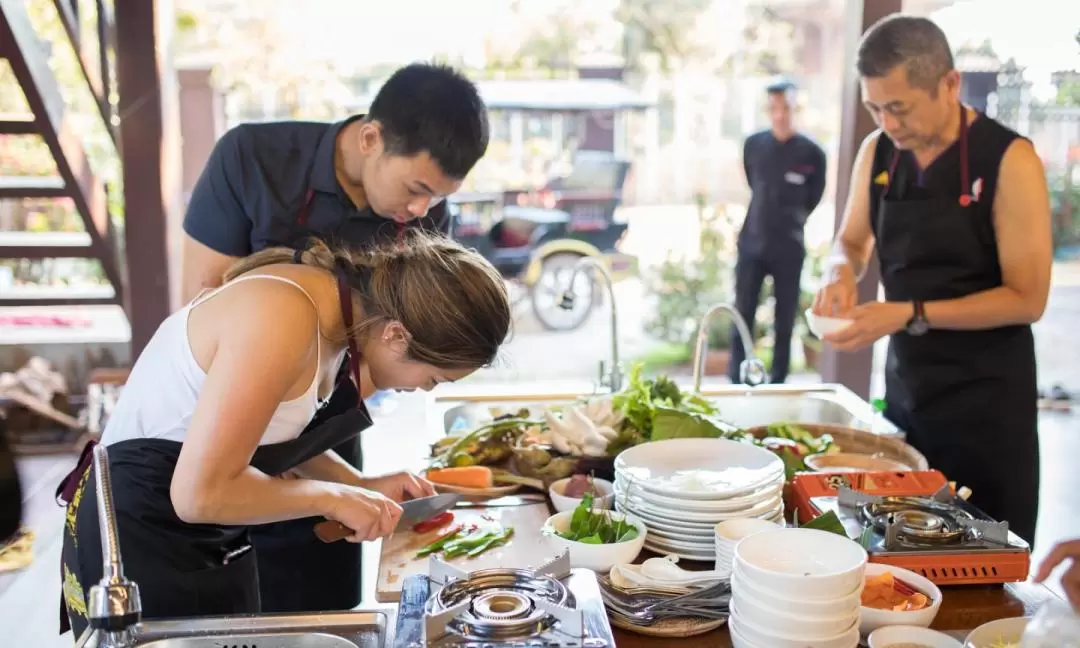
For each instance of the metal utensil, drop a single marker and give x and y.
(412, 512)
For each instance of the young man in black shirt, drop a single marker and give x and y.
(354, 182)
(786, 174)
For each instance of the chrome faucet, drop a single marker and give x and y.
(114, 606)
(613, 378)
(751, 370)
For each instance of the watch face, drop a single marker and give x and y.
(917, 326)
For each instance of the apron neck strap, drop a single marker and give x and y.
(345, 296)
(965, 179)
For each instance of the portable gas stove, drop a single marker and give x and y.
(551, 606)
(914, 520)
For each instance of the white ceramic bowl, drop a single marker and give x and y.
(852, 462)
(840, 606)
(728, 533)
(768, 637)
(1011, 629)
(781, 620)
(919, 636)
(873, 618)
(597, 557)
(563, 503)
(805, 564)
(822, 325)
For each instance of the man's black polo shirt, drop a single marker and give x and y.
(255, 185)
(787, 180)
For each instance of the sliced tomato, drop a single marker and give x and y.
(434, 523)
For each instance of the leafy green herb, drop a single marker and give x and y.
(670, 423)
(468, 541)
(656, 409)
(828, 521)
(597, 527)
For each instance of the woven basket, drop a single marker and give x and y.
(861, 442)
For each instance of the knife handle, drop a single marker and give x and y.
(332, 531)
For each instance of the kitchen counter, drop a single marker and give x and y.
(388, 448)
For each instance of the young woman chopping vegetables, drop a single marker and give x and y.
(215, 405)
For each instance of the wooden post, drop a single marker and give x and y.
(147, 151)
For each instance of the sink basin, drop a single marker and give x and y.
(284, 640)
(825, 404)
(764, 409)
(367, 628)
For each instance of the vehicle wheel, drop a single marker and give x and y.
(547, 293)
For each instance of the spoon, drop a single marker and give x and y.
(665, 569)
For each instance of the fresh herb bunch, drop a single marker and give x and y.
(590, 526)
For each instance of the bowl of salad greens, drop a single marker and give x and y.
(596, 538)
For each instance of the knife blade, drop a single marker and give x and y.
(505, 501)
(412, 513)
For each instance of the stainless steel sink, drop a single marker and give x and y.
(367, 628)
(823, 404)
(289, 640)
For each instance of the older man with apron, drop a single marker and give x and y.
(955, 205)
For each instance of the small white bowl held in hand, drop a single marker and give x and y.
(822, 325)
(910, 635)
(597, 557)
(805, 564)
(874, 618)
(563, 503)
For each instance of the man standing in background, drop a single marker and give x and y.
(786, 174)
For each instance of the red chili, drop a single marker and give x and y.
(434, 523)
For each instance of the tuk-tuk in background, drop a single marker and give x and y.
(534, 237)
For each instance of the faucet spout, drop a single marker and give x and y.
(751, 370)
(114, 606)
(613, 378)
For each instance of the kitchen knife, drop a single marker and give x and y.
(413, 512)
(500, 502)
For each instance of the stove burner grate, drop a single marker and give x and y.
(916, 520)
(503, 605)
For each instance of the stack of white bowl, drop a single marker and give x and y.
(682, 488)
(728, 534)
(796, 588)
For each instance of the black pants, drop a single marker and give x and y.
(750, 273)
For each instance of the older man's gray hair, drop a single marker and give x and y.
(915, 43)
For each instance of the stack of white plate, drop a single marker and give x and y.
(682, 488)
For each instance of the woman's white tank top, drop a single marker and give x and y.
(159, 397)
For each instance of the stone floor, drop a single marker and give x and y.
(29, 598)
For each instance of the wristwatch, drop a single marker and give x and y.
(918, 324)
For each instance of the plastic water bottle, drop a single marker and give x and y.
(1055, 625)
(878, 423)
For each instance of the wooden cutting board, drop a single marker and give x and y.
(397, 558)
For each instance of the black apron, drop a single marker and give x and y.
(298, 572)
(183, 569)
(967, 399)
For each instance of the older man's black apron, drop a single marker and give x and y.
(184, 569)
(967, 399)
